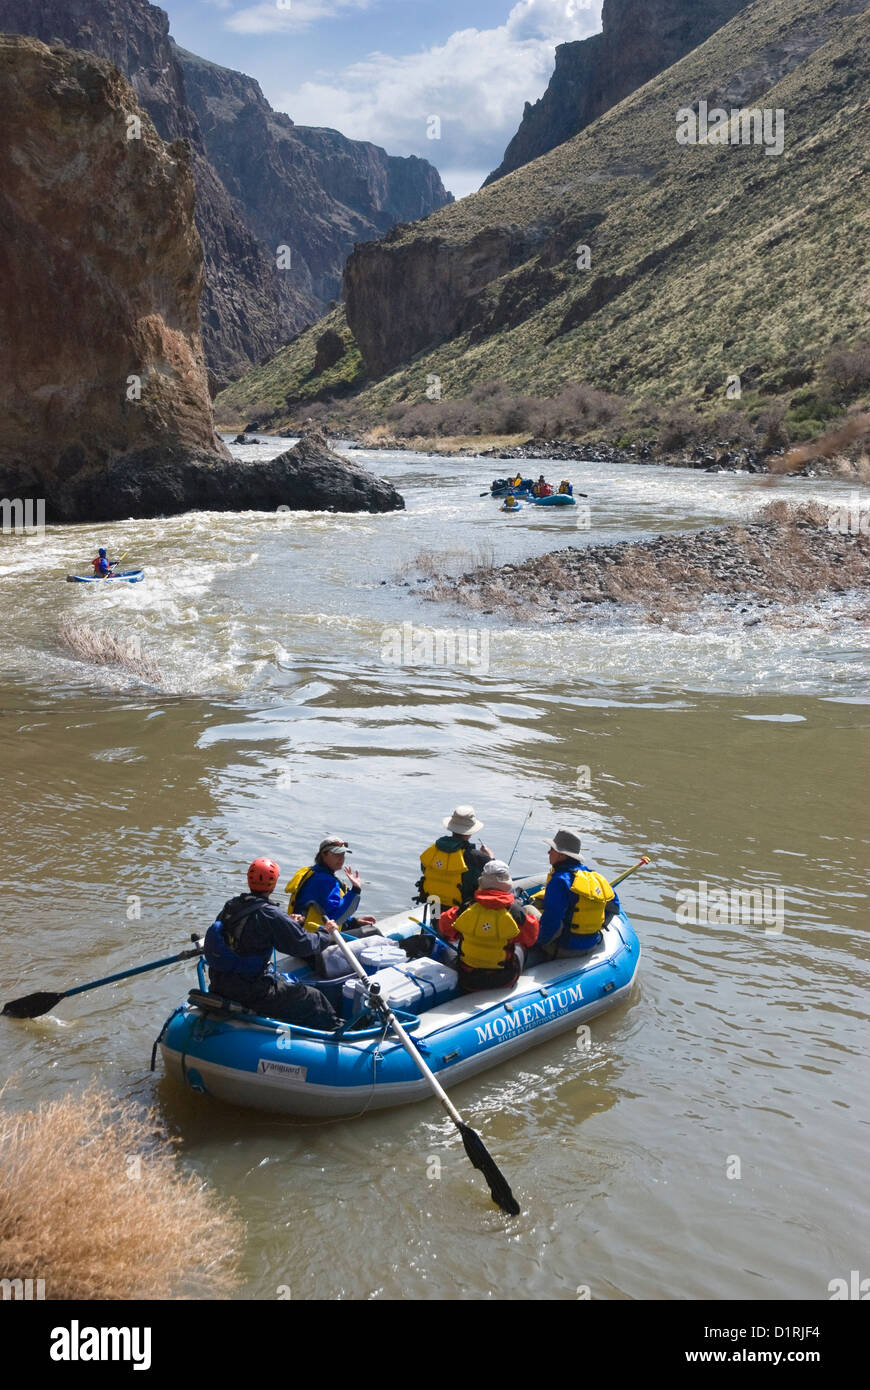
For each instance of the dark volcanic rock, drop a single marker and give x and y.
(639, 39)
(308, 477)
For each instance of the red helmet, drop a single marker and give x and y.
(263, 875)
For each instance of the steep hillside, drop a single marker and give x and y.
(707, 260)
(638, 40)
(312, 190)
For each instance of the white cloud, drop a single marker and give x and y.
(476, 82)
(271, 16)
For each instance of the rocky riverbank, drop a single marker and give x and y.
(785, 556)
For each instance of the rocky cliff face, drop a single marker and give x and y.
(100, 279)
(312, 190)
(315, 191)
(639, 38)
(249, 308)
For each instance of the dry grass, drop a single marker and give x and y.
(830, 446)
(93, 1201)
(100, 648)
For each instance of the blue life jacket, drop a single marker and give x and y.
(220, 948)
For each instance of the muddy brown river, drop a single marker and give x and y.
(711, 1141)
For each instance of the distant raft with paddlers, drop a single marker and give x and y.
(223, 1051)
(128, 576)
(501, 487)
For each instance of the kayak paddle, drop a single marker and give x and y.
(115, 564)
(34, 1005)
(474, 1145)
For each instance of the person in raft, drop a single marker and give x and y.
(101, 564)
(542, 488)
(576, 901)
(316, 893)
(453, 865)
(238, 951)
(493, 931)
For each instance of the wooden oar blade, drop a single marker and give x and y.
(32, 1005)
(483, 1160)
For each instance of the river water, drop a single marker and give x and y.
(709, 1141)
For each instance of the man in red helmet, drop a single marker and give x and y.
(238, 952)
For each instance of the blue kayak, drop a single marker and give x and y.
(230, 1054)
(517, 508)
(556, 499)
(128, 576)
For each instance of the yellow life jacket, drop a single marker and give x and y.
(485, 932)
(442, 874)
(593, 893)
(314, 918)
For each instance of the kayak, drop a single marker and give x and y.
(517, 508)
(556, 499)
(129, 577)
(229, 1054)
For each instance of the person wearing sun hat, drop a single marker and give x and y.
(451, 867)
(577, 902)
(493, 931)
(316, 893)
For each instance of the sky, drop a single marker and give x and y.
(383, 70)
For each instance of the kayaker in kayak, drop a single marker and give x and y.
(453, 865)
(238, 952)
(316, 893)
(101, 564)
(493, 931)
(510, 503)
(576, 901)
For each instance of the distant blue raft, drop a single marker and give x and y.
(225, 1052)
(556, 499)
(128, 577)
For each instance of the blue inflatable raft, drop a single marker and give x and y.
(224, 1051)
(129, 577)
(556, 499)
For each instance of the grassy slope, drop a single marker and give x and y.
(773, 271)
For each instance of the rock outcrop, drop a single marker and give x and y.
(249, 307)
(638, 39)
(104, 377)
(312, 190)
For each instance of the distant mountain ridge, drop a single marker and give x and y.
(638, 40)
(250, 307)
(626, 260)
(309, 188)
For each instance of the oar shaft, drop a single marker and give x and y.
(633, 870)
(402, 1035)
(137, 970)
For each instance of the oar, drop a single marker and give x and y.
(33, 1005)
(633, 870)
(474, 1145)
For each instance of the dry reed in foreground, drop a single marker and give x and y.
(101, 648)
(94, 1202)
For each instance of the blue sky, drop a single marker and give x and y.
(381, 69)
